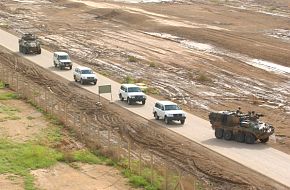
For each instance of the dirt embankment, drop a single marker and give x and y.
(215, 170)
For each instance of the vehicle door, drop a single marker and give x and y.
(77, 74)
(125, 92)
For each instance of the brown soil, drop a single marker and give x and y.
(29, 125)
(103, 36)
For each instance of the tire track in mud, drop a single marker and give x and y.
(147, 135)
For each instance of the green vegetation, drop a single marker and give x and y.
(152, 64)
(19, 159)
(128, 80)
(132, 59)
(9, 113)
(8, 96)
(152, 90)
(1, 85)
(139, 181)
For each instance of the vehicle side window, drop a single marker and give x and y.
(122, 88)
(126, 89)
(157, 105)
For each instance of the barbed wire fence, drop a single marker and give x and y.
(97, 135)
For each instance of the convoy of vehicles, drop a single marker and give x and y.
(29, 44)
(227, 124)
(62, 60)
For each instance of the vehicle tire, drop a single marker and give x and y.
(24, 50)
(129, 101)
(120, 97)
(75, 78)
(182, 121)
(70, 67)
(81, 81)
(156, 116)
(228, 135)
(20, 49)
(166, 120)
(60, 67)
(39, 51)
(143, 102)
(219, 133)
(264, 140)
(95, 83)
(240, 137)
(250, 138)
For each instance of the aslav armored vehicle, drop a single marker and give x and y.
(29, 44)
(241, 127)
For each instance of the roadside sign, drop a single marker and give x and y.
(104, 89)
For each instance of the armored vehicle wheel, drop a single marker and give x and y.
(219, 133)
(166, 120)
(156, 116)
(250, 138)
(264, 140)
(182, 121)
(228, 135)
(240, 137)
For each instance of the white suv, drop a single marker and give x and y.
(85, 74)
(61, 60)
(168, 111)
(131, 93)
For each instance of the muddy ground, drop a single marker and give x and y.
(205, 55)
(20, 122)
(212, 169)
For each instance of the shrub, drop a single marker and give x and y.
(132, 59)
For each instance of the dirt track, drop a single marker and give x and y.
(215, 170)
(203, 58)
(112, 31)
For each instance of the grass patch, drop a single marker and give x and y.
(9, 112)
(203, 78)
(19, 159)
(152, 90)
(128, 80)
(1, 85)
(30, 117)
(152, 64)
(132, 59)
(8, 96)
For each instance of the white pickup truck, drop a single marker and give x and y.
(168, 111)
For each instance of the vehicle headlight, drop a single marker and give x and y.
(169, 115)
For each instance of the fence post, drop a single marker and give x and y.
(151, 168)
(129, 154)
(140, 161)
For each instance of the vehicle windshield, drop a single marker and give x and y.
(134, 89)
(172, 107)
(63, 57)
(87, 72)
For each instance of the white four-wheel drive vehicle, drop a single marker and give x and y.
(85, 74)
(62, 60)
(168, 111)
(131, 93)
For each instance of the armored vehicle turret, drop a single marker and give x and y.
(29, 44)
(242, 127)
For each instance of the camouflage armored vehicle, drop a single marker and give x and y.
(235, 125)
(29, 44)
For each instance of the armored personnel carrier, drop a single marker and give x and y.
(29, 44)
(242, 127)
